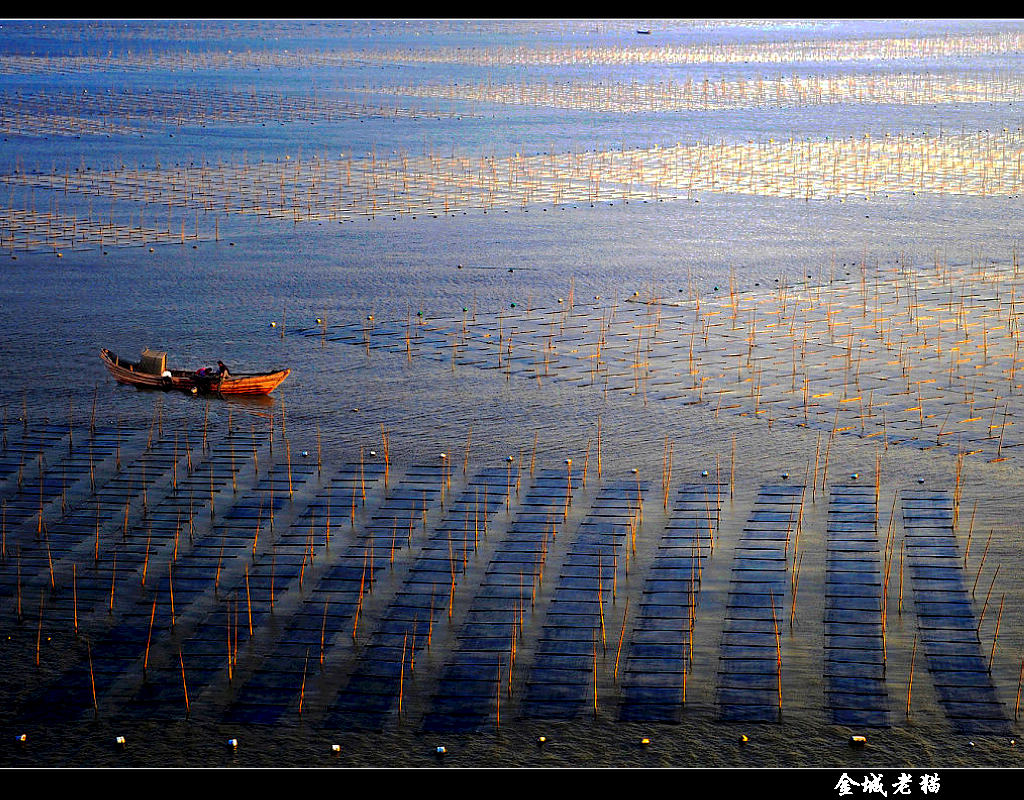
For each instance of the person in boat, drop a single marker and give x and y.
(224, 373)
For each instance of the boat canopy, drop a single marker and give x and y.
(152, 362)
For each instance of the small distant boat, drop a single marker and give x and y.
(644, 33)
(150, 372)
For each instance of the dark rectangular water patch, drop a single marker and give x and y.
(553, 709)
(670, 604)
(862, 670)
(948, 582)
(467, 693)
(971, 725)
(760, 681)
(857, 655)
(571, 607)
(582, 589)
(968, 677)
(854, 684)
(852, 520)
(651, 695)
(877, 701)
(862, 567)
(835, 642)
(566, 670)
(555, 690)
(992, 711)
(663, 676)
(865, 626)
(854, 661)
(855, 717)
(969, 696)
(747, 652)
(949, 572)
(268, 713)
(516, 559)
(939, 621)
(947, 601)
(749, 697)
(758, 602)
(947, 622)
(568, 638)
(965, 635)
(862, 547)
(752, 713)
(484, 644)
(852, 580)
(933, 554)
(644, 712)
(666, 652)
(758, 609)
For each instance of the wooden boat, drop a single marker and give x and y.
(150, 372)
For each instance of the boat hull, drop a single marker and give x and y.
(263, 383)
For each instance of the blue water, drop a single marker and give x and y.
(234, 298)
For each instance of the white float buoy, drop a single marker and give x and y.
(120, 740)
(336, 748)
(233, 743)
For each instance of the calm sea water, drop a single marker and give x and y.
(218, 300)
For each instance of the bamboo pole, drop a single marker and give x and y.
(995, 636)
(1020, 682)
(92, 678)
(184, 685)
(401, 676)
(910, 678)
(622, 634)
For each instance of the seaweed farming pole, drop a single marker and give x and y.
(184, 685)
(778, 651)
(92, 678)
(622, 633)
(1020, 683)
(995, 636)
(910, 678)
